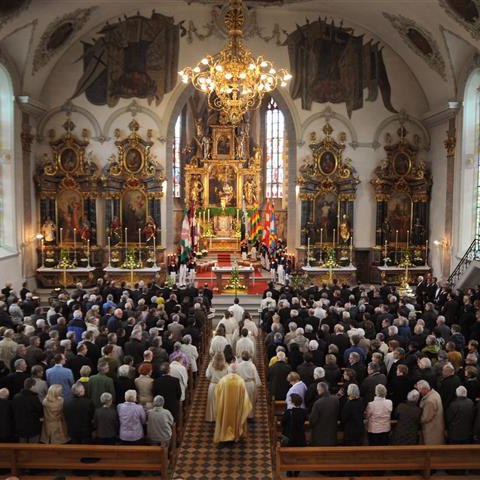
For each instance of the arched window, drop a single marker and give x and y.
(276, 147)
(176, 155)
(470, 190)
(8, 243)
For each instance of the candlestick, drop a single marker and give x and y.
(396, 245)
(208, 215)
(334, 233)
(139, 245)
(351, 249)
(426, 253)
(308, 251)
(75, 246)
(109, 252)
(61, 236)
(385, 253)
(42, 247)
(126, 238)
(408, 238)
(321, 237)
(88, 253)
(154, 251)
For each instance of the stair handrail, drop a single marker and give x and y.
(472, 253)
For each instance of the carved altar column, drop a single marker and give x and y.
(450, 144)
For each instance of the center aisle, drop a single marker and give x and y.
(200, 459)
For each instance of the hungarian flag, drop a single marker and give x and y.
(256, 228)
(185, 238)
(266, 226)
(245, 226)
(272, 244)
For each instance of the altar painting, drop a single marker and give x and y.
(326, 211)
(398, 216)
(70, 214)
(222, 186)
(134, 213)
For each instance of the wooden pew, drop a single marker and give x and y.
(419, 460)
(17, 457)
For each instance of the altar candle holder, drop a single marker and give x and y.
(42, 252)
(334, 233)
(75, 246)
(139, 245)
(351, 251)
(61, 237)
(154, 251)
(109, 244)
(396, 246)
(88, 253)
(308, 251)
(385, 251)
(426, 253)
(126, 242)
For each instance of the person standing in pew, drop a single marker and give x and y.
(323, 419)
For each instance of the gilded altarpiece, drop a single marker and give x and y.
(219, 176)
(67, 184)
(402, 189)
(328, 184)
(132, 186)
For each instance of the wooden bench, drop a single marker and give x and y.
(18, 457)
(419, 460)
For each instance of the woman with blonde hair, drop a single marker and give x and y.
(54, 428)
(216, 370)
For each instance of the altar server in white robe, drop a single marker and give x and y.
(281, 274)
(248, 371)
(245, 344)
(182, 275)
(230, 324)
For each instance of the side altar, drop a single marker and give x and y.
(224, 171)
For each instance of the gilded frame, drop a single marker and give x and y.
(327, 162)
(223, 136)
(127, 218)
(68, 164)
(133, 164)
(407, 163)
(69, 213)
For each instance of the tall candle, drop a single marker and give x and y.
(334, 235)
(61, 236)
(42, 251)
(385, 252)
(408, 237)
(238, 214)
(109, 250)
(154, 251)
(308, 244)
(208, 215)
(139, 238)
(126, 237)
(426, 252)
(321, 237)
(74, 239)
(88, 252)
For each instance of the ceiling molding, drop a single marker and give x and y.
(75, 20)
(410, 30)
(472, 28)
(22, 6)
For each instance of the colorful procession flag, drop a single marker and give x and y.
(256, 228)
(185, 238)
(245, 225)
(272, 244)
(266, 227)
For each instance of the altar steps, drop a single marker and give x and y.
(250, 303)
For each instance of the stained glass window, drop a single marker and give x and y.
(177, 164)
(275, 150)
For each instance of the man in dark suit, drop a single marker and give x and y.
(277, 377)
(374, 378)
(79, 360)
(169, 388)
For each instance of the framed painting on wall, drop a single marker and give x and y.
(399, 216)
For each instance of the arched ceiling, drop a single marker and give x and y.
(437, 39)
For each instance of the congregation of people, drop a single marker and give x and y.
(116, 364)
(361, 365)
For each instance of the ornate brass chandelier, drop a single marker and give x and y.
(234, 80)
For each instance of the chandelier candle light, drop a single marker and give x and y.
(234, 80)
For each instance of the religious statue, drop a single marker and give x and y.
(242, 141)
(206, 144)
(418, 232)
(226, 195)
(196, 191)
(249, 191)
(85, 231)
(115, 231)
(257, 155)
(150, 230)
(49, 230)
(344, 229)
(386, 228)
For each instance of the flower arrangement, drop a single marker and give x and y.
(131, 260)
(235, 283)
(65, 261)
(406, 260)
(331, 260)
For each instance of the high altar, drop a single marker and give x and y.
(218, 177)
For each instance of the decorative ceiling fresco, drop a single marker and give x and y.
(11, 8)
(420, 41)
(466, 12)
(57, 35)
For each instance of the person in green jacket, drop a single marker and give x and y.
(100, 383)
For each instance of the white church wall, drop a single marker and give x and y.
(407, 95)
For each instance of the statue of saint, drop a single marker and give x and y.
(257, 156)
(345, 229)
(249, 190)
(206, 143)
(242, 141)
(149, 230)
(49, 230)
(85, 231)
(226, 194)
(418, 232)
(115, 231)
(196, 191)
